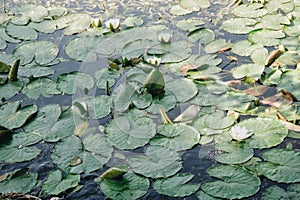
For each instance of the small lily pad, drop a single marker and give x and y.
(194, 5)
(10, 89)
(248, 70)
(114, 172)
(106, 75)
(280, 165)
(203, 35)
(183, 89)
(218, 120)
(159, 162)
(176, 186)
(133, 21)
(290, 82)
(250, 10)
(21, 32)
(216, 45)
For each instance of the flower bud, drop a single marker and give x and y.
(96, 22)
(164, 37)
(113, 24)
(154, 61)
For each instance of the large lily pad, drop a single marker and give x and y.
(98, 107)
(177, 137)
(235, 183)
(19, 181)
(10, 89)
(35, 13)
(21, 32)
(34, 70)
(216, 45)
(13, 117)
(281, 165)
(129, 132)
(166, 103)
(69, 82)
(239, 25)
(130, 186)
(176, 186)
(183, 89)
(73, 23)
(42, 52)
(265, 37)
(244, 48)
(267, 132)
(248, 70)
(277, 193)
(218, 120)
(20, 148)
(159, 162)
(252, 10)
(202, 35)
(57, 183)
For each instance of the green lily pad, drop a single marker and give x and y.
(133, 21)
(234, 100)
(183, 89)
(166, 103)
(42, 86)
(280, 165)
(130, 186)
(159, 162)
(122, 97)
(267, 132)
(274, 22)
(233, 153)
(218, 120)
(216, 45)
(239, 25)
(34, 70)
(235, 183)
(252, 10)
(10, 89)
(21, 32)
(176, 186)
(259, 56)
(203, 35)
(4, 18)
(189, 24)
(290, 81)
(284, 5)
(73, 23)
(176, 136)
(114, 172)
(293, 29)
(46, 26)
(69, 82)
(244, 48)
(248, 70)
(87, 48)
(56, 183)
(42, 52)
(57, 11)
(265, 37)
(13, 117)
(129, 132)
(194, 5)
(202, 195)
(137, 48)
(276, 193)
(106, 75)
(7, 38)
(19, 181)
(35, 13)
(178, 10)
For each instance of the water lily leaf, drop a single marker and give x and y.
(235, 183)
(216, 45)
(6, 37)
(218, 120)
(19, 149)
(203, 35)
(21, 32)
(183, 89)
(166, 103)
(248, 70)
(130, 132)
(293, 29)
(236, 101)
(46, 26)
(284, 5)
(114, 172)
(4, 18)
(176, 186)
(265, 37)
(34, 70)
(239, 25)
(10, 89)
(3, 44)
(194, 5)
(267, 132)
(42, 86)
(178, 10)
(99, 106)
(19, 181)
(56, 183)
(259, 56)
(57, 11)
(233, 153)
(174, 52)
(252, 10)
(176, 136)
(130, 186)
(87, 48)
(73, 23)
(133, 21)
(42, 52)
(141, 100)
(288, 58)
(69, 82)
(7, 58)
(280, 165)
(202, 195)
(136, 48)
(13, 117)
(274, 22)
(189, 24)
(290, 82)
(159, 162)
(202, 73)
(122, 97)
(106, 75)
(276, 193)
(36, 13)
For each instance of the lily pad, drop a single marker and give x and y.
(114, 172)
(216, 45)
(69, 82)
(218, 120)
(56, 183)
(244, 48)
(176, 186)
(137, 48)
(13, 117)
(130, 186)
(19, 181)
(106, 75)
(73, 23)
(265, 37)
(10, 89)
(42, 86)
(194, 5)
(203, 35)
(129, 132)
(235, 183)
(166, 103)
(20, 148)
(253, 10)
(133, 21)
(267, 132)
(122, 97)
(183, 89)
(239, 25)
(277, 193)
(280, 165)
(99, 106)
(34, 70)
(42, 52)
(290, 81)
(21, 32)
(248, 70)
(189, 24)
(176, 136)
(233, 153)
(35, 13)
(159, 162)
(46, 26)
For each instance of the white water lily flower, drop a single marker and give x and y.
(154, 61)
(164, 37)
(113, 24)
(240, 133)
(96, 22)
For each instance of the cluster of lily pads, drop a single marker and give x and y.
(149, 72)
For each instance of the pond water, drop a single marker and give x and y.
(197, 98)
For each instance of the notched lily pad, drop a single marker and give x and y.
(21, 32)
